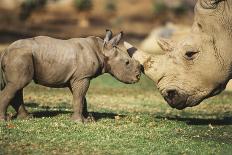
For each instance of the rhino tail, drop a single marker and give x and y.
(2, 75)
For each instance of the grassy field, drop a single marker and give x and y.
(131, 119)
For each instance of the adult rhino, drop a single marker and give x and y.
(198, 67)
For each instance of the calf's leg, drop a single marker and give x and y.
(18, 72)
(79, 89)
(6, 95)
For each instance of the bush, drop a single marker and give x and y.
(180, 9)
(83, 5)
(110, 6)
(28, 6)
(159, 7)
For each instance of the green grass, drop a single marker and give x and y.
(131, 119)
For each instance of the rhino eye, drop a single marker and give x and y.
(190, 55)
(127, 62)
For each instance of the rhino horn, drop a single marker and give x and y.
(130, 49)
(149, 62)
(136, 53)
(166, 44)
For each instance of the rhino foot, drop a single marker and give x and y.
(24, 116)
(90, 118)
(3, 118)
(82, 119)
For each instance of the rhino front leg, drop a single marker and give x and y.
(86, 114)
(85, 109)
(79, 89)
(18, 104)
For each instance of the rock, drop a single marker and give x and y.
(229, 86)
(169, 31)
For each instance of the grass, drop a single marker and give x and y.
(131, 119)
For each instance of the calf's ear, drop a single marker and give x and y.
(107, 37)
(116, 39)
(166, 44)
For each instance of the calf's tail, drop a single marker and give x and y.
(2, 75)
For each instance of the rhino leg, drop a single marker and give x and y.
(6, 95)
(19, 72)
(79, 89)
(85, 109)
(86, 114)
(18, 104)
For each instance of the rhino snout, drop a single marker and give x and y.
(175, 98)
(136, 77)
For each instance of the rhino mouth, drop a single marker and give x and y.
(175, 97)
(185, 101)
(132, 81)
(180, 99)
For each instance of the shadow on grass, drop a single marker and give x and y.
(98, 115)
(45, 111)
(200, 121)
(48, 113)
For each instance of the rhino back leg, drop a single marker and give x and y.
(18, 70)
(18, 104)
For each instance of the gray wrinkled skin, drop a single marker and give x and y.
(62, 63)
(199, 66)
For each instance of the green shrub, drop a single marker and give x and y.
(83, 5)
(110, 6)
(159, 7)
(180, 9)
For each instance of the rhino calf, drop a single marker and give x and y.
(62, 63)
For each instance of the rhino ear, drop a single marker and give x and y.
(166, 44)
(115, 40)
(107, 37)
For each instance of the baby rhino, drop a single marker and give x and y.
(62, 63)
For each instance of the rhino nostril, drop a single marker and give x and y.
(171, 94)
(138, 76)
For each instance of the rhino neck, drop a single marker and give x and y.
(151, 63)
(98, 49)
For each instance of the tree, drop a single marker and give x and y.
(28, 6)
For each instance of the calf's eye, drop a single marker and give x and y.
(127, 62)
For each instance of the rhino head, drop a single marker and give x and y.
(199, 66)
(117, 61)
